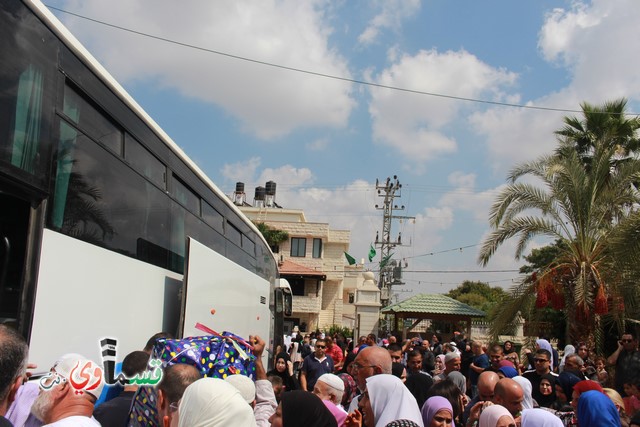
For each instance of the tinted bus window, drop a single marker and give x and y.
(101, 200)
(92, 121)
(144, 162)
(248, 245)
(184, 195)
(233, 235)
(212, 217)
(27, 88)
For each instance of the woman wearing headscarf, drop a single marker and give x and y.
(402, 423)
(527, 403)
(507, 369)
(495, 416)
(436, 410)
(452, 393)
(439, 365)
(583, 387)
(211, 402)
(568, 350)
(539, 418)
(619, 404)
(564, 391)
(419, 386)
(399, 370)
(595, 409)
(350, 387)
(301, 409)
(386, 399)
(458, 379)
(284, 370)
(547, 394)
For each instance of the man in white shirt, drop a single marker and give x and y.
(68, 393)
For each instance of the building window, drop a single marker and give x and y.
(317, 248)
(298, 246)
(297, 286)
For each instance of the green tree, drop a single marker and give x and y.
(478, 295)
(584, 200)
(273, 236)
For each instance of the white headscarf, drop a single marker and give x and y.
(211, 402)
(491, 414)
(527, 403)
(568, 349)
(538, 417)
(391, 400)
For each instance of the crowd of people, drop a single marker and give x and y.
(329, 381)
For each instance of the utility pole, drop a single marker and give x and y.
(390, 270)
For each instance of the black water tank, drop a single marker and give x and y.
(260, 193)
(271, 188)
(239, 187)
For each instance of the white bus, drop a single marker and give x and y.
(107, 229)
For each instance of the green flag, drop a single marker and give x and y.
(372, 253)
(385, 260)
(351, 260)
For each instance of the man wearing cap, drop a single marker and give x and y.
(330, 387)
(452, 362)
(13, 365)
(68, 393)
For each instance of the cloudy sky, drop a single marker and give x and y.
(325, 97)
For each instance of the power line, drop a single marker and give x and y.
(457, 271)
(444, 251)
(318, 74)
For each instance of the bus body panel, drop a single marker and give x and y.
(86, 293)
(224, 296)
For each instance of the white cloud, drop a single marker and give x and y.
(414, 125)
(393, 13)
(287, 174)
(593, 43)
(319, 144)
(241, 171)
(268, 102)
(560, 30)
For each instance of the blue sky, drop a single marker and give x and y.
(325, 141)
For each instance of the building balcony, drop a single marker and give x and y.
(306, 304)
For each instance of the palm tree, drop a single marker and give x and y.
(586, 208)
(606, 124)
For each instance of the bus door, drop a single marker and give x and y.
(223, 295)
(17, 254)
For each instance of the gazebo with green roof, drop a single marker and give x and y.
(433, 307)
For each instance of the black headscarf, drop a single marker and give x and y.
(288, 381)
(547, 401)
(304, 409)
(397, 368)
(419, 385)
